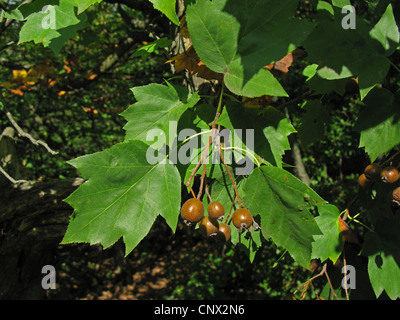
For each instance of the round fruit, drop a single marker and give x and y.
(216, 210)
(242, 219)
(373, 171)
(208, 227)
(224, 231)
(363, 181)
(396, 196)
(390, 174)
(192, 211)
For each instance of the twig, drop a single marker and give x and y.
(390, 159)
(239, 199)
(345, 272)
(208, 193)
(22, 132)
(230, 210)
(205, 152)
(294, 100)
(13, 181)
(323, 271)
(330, 286)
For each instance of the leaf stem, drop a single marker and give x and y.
(239, 199)
(394, 66)
(205, 152)
(195, 135)
(247, 152)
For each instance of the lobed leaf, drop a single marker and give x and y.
(158, 108)
(122, 196)
(329, 245)
(379, 123)
(383, 265)
(265, 133)
(341, 53)
(239, 38)
(283, 203)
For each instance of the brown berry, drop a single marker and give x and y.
(208, 227)
(396, 196)
(389, 174)
(224, 231)
(363, 181)
(242, 219)
(216, 210)
(373, 171)
(192, 211)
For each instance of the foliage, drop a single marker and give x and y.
(242, 46)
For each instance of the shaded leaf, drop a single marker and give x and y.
(342, 53)
(330, 243)
(383, 266)
(379, 123)
(264, 133)
(239, 38)
(283, 203)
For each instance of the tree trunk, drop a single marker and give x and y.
(33, 220)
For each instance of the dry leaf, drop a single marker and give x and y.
(281, 67)
(190, 61)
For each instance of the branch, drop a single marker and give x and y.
(22, 132)
(13, 181)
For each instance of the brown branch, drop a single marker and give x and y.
(204, 154)
(239, 199)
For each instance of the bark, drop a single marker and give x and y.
(33, 220)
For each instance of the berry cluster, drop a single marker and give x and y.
(211, 225)
(388, 175)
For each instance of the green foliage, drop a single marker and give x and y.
(168, 8)
(286, 218)
(239, 39)
(124, 193)
(379, 122)
(329, 244)
(109, 199)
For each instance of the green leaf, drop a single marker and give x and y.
(23, 11)
(239, 38)
(283, 203)
(84, 4)
(146, 50)
(383, 265)
(67, 33)
(122, 196)
(330, 243)
(271, 130)
(386, 31)
(44, 26)
(313, 122)
(343, 53)
(158, 108)
(215, 30)
(252, 85)
(379, 123)
(168, 8)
